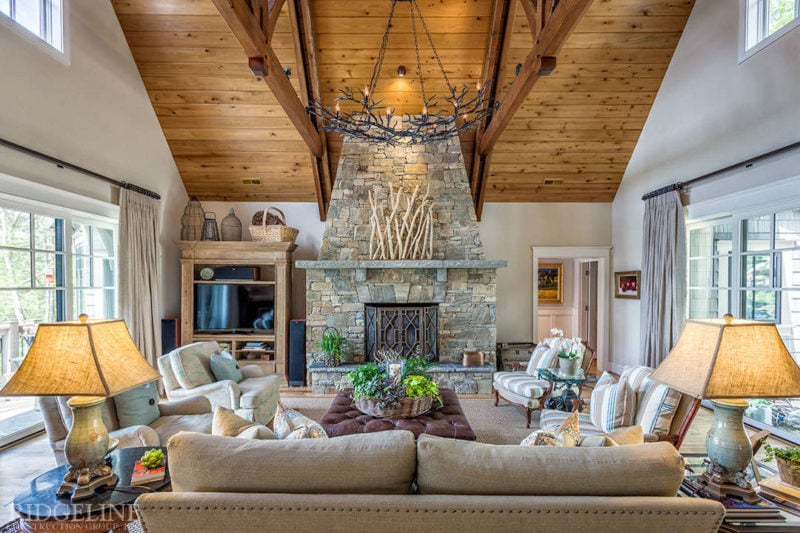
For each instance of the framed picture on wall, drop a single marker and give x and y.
(627, 284)
(551, 283)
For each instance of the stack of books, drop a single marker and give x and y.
(775, 490)
(737, 511)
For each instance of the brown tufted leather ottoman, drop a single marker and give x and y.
(448, 421)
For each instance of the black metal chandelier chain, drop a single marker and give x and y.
(415, 5)
(376, 71)
(419, 59)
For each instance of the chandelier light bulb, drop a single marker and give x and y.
(401, 71)
(424, 110)
(366, 90)
(338, 108)
(388, 111)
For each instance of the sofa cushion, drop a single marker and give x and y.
(369, 463)
(536, 355)
(637, 376)
(521, 383)
(656, 407)
(224, 366)
(567, 434)
(449, 466)
(167, 426)
(188, 369)
(613, 404)
(621, 436)
(138, 406)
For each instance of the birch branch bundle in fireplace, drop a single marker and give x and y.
(407, 231)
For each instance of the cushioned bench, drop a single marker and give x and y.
(449, 421)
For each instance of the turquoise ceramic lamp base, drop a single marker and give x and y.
(729, 450)
(86, 448)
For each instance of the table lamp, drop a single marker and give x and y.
(89, 360)
(726, 360)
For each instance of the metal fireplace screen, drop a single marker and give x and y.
(404, 329)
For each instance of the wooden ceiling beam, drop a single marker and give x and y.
(251, 30)
(308, 72)
(275, 7)
(500, 31)
(550, 29)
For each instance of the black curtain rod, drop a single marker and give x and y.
(60, 163)
(747, 163)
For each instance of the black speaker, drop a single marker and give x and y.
(236, 273)
(170, 334)
(297, 353)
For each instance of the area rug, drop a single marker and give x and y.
(504, 424)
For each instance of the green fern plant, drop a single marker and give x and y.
(333, 346)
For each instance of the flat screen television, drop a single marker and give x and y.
(233, 308)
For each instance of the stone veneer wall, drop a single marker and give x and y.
(336, 298)
(364, 167)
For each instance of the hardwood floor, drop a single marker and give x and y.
(23, 461)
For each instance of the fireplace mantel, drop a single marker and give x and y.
(440, 265)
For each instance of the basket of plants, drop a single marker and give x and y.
(394, 387)
(269, 225)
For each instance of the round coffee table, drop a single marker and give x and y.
(41, 510)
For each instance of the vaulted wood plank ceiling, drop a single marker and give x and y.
(575, 131)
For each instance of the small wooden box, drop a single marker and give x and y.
(473, 358)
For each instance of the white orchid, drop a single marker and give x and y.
(555, 332)
(572, 348)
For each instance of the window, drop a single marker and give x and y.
(750, 267)
(767, 20)
(43, 18)
(54, 265)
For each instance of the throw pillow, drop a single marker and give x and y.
(288, 420)
(224, 367)
(657, 406)
(188, 369)
(536, 355)
(625, 436)
(568, 434)
(137, 407)
(597, 441)
(257, 432)
(226, 423)
(300, 433)
(637, 376)
(613, 405)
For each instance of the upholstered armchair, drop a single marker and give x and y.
(187, 371)
(525, 388)
(189, 414)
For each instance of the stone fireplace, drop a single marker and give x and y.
(347, 290)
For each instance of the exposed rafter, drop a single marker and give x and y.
(251, 27)
(501, 29)
(308, 71)
(556, 23)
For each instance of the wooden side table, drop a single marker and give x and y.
(41, 510)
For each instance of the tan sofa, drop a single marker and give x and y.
(388, 482)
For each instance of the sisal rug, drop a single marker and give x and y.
(504, 424)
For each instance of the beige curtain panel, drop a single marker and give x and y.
(663, 276)
(139, 288)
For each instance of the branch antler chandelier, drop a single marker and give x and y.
(374, 122)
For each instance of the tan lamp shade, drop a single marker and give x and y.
(81, 358)
(727, 358)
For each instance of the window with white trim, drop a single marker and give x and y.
(749, 266)
(43, 18)
(767, 18)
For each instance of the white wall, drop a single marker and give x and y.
(93, 112)
(710, 112)
(509, 230)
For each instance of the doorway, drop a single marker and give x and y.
(587, 311)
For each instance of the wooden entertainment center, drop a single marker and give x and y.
(251, 264)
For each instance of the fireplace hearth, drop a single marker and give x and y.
(406, 329)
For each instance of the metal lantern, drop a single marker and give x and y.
(192, 221)
(210, 229)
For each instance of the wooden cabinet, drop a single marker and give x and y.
(255, 266)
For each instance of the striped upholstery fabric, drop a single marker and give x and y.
(549, 358)
(536, 355)
(636, 376)
(657, 407)
(613, 404)
(552, 417)
(520, 383)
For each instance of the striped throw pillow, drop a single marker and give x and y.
(657, 407)
(613, 404)
(636, 376)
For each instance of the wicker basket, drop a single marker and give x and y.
(273, 232)
(409, 407)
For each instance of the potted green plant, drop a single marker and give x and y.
(788, 463)
(333, 346)
(396, 387)
(570, 356)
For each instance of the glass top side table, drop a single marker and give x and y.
(569, 399)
